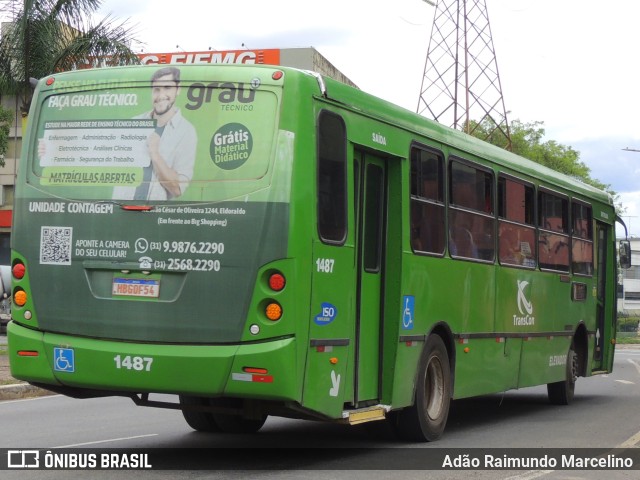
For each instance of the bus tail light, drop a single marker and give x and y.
(273, 311)
(262, 371)
(18, 270)
(277, 281)
(28, 353)
(19, 297)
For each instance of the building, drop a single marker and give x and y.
(307, 58)
(629, 294)
(7, 176)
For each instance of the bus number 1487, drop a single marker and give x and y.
(133, 363)
(325, 265)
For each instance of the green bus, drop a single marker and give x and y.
(260, 240)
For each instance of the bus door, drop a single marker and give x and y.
(603, 353)
(371, 214)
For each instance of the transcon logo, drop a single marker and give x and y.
(524, 306)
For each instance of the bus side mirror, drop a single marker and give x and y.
(624, 252)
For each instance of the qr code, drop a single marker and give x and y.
(55, 245)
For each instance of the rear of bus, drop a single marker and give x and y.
(133, 275)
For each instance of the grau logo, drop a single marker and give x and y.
(524, 306)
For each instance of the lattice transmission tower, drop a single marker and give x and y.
(461, 84)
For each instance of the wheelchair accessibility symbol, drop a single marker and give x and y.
(63, 360)
(408, 303)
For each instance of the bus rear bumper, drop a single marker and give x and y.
(262, 370)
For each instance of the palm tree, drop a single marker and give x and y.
(48, 36)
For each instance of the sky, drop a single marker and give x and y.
(567, 63)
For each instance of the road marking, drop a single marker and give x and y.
(626, 382)
(44, 397)
(106, 441)
(630, 442)
(530, 475)
(634, 363)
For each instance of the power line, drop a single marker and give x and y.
(461, 85)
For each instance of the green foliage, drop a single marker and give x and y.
(628, 324)
(527, 141)
(6, 118)
(627, 340)
(49, 36)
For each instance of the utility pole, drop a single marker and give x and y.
(461, 84)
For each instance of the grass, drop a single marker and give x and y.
(9, 382)
(625, 338)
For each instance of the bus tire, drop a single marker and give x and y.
(238, 424)
(426, 419)
(203, 421)
(561, 393)
(198, 420)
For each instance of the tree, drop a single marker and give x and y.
(6, 118)
(48, 36)
(527, 141)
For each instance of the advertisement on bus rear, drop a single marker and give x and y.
(166, 138)
(157, 187)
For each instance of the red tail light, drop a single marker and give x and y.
(277, 281)
(18, 270)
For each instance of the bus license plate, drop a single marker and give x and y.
(136, 287)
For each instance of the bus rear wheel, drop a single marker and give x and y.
(198, 420)
(561, 393)
(204, 421)
(426, 419)
(238, 424)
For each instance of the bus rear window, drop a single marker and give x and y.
(161, 138)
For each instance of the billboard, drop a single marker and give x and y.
(267, 57)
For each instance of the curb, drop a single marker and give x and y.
(20, 391)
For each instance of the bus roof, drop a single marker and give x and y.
(400, 117)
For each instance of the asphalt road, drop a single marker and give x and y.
(605, 414)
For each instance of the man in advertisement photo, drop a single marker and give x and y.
(171, 146)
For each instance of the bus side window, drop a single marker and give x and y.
(427, 202)
(332, 178)
(582, 241)
(471, 216)
(553, 238)
(516, 231)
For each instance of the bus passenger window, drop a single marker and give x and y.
(516, 231)
(471, 217)
(582, 241)
(332, 178)
(553, 238)
(427, 202)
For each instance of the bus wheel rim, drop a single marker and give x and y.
(434, 389)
